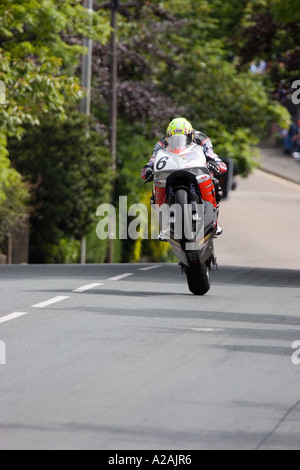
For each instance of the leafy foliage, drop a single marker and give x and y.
(37, 67)
(286, 11)
(173, 60)
(69, 177)
(36, 64)
(13, 197)
(270, 30)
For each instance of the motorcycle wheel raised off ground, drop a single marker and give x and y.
(198, 274)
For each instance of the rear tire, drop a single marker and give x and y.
(198, 277)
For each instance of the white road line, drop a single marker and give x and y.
(89, 286)
(51, 301)
(12, 316)
(205, 330)
(148, 268)
(122, 276)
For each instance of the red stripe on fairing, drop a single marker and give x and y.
(177, 150)
(207, 192)
(160, 195)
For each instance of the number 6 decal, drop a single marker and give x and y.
(162, 163)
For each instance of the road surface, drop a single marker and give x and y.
(123, 357)
(261, 224)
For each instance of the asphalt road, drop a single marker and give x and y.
(98, 361)
(261, 224)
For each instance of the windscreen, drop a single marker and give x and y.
(176, 142)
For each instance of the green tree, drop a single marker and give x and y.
(286, 11)
(232, 106)
(37, 64)
(174, 59)
(13, 197)
(69, 175)
(269, 30)
(37, 60)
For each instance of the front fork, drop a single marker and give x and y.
(210, 263)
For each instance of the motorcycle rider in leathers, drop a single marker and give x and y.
(180, 126)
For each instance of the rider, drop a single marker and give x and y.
(180, 126)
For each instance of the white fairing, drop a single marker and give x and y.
(167, 161)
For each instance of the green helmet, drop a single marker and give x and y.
(180, 126)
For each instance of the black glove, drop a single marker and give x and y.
(213, 167)
(149, 175)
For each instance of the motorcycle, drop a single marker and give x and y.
(184, 195)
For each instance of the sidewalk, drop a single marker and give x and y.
(274, 161)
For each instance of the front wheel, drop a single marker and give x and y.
(198, 278)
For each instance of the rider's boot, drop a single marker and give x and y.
(219, 230)
(161, 237)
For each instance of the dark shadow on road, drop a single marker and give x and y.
(108, 292)
(257, 277)
(252, 318)
(260, 335)
(150, 437)
(166, 273)
(272, 350)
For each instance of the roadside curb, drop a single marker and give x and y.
(274, 162)
(279, 175)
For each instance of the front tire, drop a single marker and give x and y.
(181, 199)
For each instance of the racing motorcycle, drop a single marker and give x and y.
(184, 195)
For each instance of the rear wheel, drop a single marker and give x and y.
(198, 277)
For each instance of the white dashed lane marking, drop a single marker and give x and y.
(148, 268)
(51, 301)
(122, 276)
(88, 287)
(59, 298)
(12, 316)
